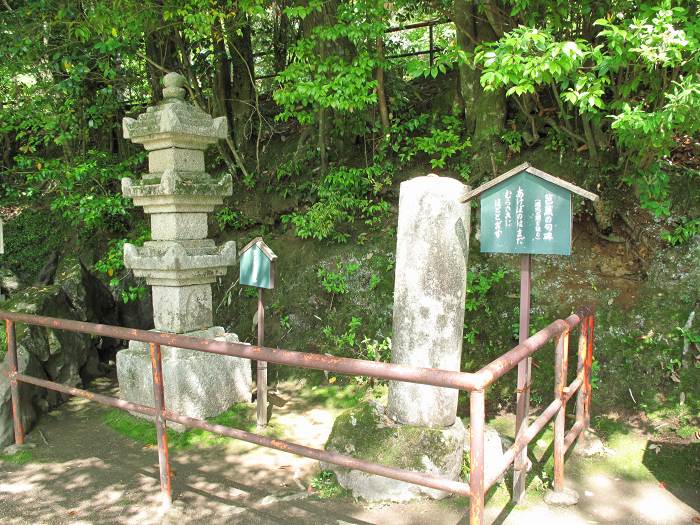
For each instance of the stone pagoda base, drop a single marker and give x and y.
(197, 384)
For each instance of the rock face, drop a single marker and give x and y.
(9, 283)
(180, 263)
(366, 432)
(429, 291)
(65, 357)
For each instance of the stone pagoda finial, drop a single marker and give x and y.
(174, 86)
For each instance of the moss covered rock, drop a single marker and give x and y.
(365, 432)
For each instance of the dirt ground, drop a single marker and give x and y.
(83, 472)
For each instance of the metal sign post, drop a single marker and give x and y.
(257, 269)
(526, 211)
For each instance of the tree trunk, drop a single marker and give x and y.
(222, 74)
(243, 100)
(381, 96)
(484, 112)
(281, 35)
(161, 49)
(344, 50)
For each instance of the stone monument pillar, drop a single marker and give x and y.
(418, 430)
(429, 292)
(180, 263)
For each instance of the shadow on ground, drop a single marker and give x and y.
(83, 471)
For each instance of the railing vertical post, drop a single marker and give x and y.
(14, 387)
(523, 393)
(477, 423)
(560, 369)
(582, 368)
(431, 51)
(159, 398)
(589, 371)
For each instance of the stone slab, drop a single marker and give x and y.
(493, 451)
(176, 226)
(176, 265)
(429, 292)
(180, 309)
(197, 384)
(175, 158)
(562, 498)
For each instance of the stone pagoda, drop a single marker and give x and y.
(180, 263)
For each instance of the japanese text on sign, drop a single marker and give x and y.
(526, 214)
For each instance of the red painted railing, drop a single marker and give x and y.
(475, 383)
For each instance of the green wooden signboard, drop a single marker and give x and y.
(526, 214)
(527, 211)
(257, 265)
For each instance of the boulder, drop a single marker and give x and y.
(494, 446)
(367, 433)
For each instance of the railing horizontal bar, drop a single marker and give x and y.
(340, 365)
(572, 434)
(417, 478)
(417, 25)
(503, 364)
(532, 430)
(415, 53)
(92, 396)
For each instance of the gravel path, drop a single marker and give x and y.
(89, 474)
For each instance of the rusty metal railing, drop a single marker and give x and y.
(474, 383)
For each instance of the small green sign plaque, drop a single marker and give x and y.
(257, 265)
(526, 211)
(526, 214)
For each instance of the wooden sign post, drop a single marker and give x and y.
(526, 211)
(257, 269)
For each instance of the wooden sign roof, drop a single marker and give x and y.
(526, 167)
(258, 241)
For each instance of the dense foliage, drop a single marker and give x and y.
(613, 85)
(329, 108)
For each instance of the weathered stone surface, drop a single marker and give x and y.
(367, 433)
(197, 384)
(171, 226)
(9, 283)
(174, 264)
(563, 498)
(429, 292)
(176, 191)
(174, 123)
(172, 158)
(494, 446)
(182, 308)
(588, 444)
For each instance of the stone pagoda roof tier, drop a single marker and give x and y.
(174, 122)
(177, 264)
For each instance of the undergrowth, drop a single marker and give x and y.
(240, 416)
